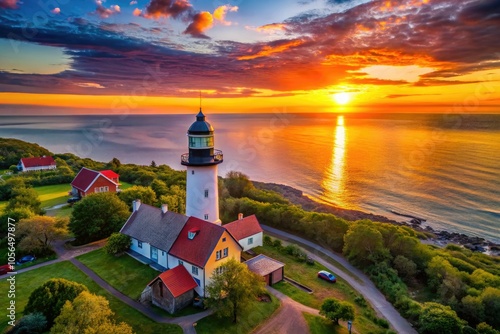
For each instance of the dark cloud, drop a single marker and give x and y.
(488, 10)
(168, 8)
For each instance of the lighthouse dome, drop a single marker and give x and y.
(200, 127)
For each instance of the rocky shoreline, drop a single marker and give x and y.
(438, 238)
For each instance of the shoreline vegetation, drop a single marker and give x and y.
(438, 238)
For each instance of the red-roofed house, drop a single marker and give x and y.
(247, 231)
(202, 247)
(173, 289)
(89, 181)
(38, 163)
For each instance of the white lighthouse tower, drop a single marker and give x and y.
(202, 193)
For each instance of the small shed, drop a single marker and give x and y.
(272, 270)
(173, 289)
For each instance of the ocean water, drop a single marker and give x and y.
(444, 168)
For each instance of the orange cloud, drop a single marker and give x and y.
(268, 28)
(201, 22)
(269, 50)
(221, 12)
(137, 12)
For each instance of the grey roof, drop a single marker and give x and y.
(263, 265)
(201, 126)
(149, 224)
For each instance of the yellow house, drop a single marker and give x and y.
(202, 248)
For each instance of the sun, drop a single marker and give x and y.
(342, 98)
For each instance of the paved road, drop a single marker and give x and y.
(363, 284)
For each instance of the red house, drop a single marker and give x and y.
(38, 163)
(89, 181)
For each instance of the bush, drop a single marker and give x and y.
(382, 322)
(268, 241)
(359, 300)
(33, 323)
(117, 243)
(277, 244)
(310, 261)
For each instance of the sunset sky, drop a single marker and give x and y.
(155, 56)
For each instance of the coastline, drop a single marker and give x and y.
(438, 238)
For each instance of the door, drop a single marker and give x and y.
(154, 254)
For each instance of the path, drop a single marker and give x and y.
(362, 284)
(288, 319)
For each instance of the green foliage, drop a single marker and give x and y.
(12, 150)
(439, 319)
(15, 215)
(267, 240)
(50, 297)
(481, 279)
(7, 187)
(406, 268)
(175, 198)
(90, 314)
(468, 330)
(117, 243)
(484, 328)
(359, 300)
(364, 244)
(232, 290)
(336, 310)
(145, 194)
(24, 198)
(97, 216)
(37, 233)
(33, 323)
(490, 299)
(237, 184)
(472, 310)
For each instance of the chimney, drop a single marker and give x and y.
(240, 216)
(135, 205)
(164, 208)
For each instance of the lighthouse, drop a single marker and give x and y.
(202, 193)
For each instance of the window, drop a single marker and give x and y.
(181, 262)
(206, 193)
(201, 142)
(250, 241)
(226, 251)
(162, 253)
(223, 239)
(206, 216)
(191, 235)
(194, 270)
(218, 255)
(139, 244)
(219, 270)
(96, 189)
(192, 172)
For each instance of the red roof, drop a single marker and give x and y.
(177, 280)
(109, 174)
(86, 177)
(243, 228)
(38, 161)
(197, 250)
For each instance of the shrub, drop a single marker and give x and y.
(360, 301)
(277, 244)
(33, 323)
(268, 241)
(117, 243)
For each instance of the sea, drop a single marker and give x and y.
(444, 168)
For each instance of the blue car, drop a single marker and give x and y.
(27, 258)
(323, 274)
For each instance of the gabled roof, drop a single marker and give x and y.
(243, 228)
(109, 174)
(263, 265)
(177, 280)
(38, 161)
(86, 177)
(197, 250)
(149, 224)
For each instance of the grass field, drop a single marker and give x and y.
(258, 313)
(124, 273)
(125, 185)
(27, 282)
(53, 194)
(320, 325)
(307, 275)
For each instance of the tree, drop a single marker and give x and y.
(33, 323)
(439, 319)
(363, 244)
(50, 297)
(39, 232)
(159, 187)
(97, 216)
(232, 289)
(336, 310)
(237, 184)
(117, 243)
(406, 268)
(24, 198)
(89, 314)
(484, 328)
(472, 310)
(114, 164)
(491, 301)
(145, 194)
(153, 164)
(15, 215)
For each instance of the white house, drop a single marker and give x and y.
(247, 231)
(38, 163)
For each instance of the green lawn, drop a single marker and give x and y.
(27, 282)
(125, 185)
(320, 325)
(258, 313)
(307, 275)
(53, 194)
(124, 273)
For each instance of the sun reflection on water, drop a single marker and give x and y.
(334, 179)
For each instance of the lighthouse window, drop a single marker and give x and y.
(206, 193)
(200, 142)
(192, 172)
(206, 216)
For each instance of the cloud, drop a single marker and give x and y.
(89, 85)
(167, 8)
(221, 12)
(8, 4)
(268, 28)
(133, 2)
(104, 12)
(137, 12)
(201, 22)
(56, 10)
(267, 50)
